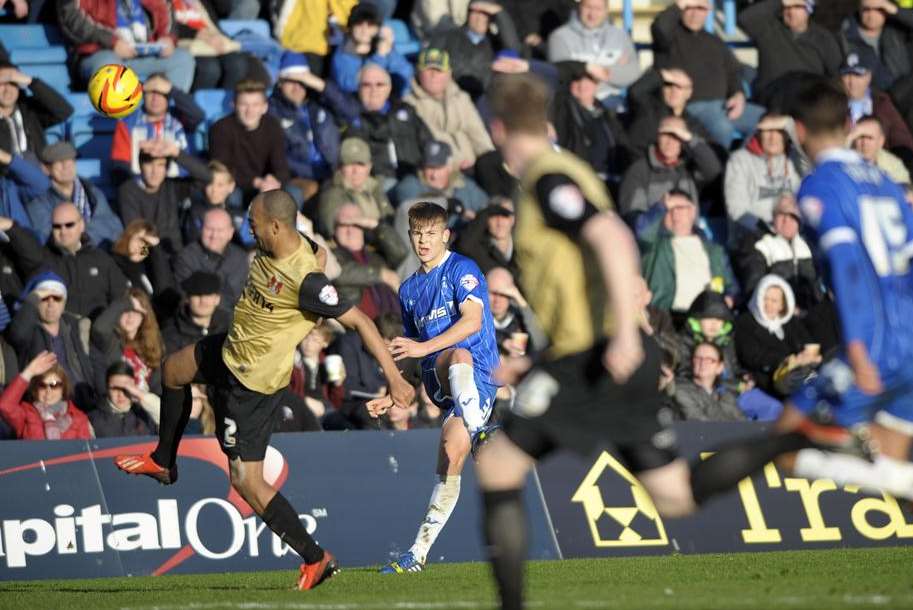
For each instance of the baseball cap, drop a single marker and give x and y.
(58, 151)
(436, 154)
(856, 63)
(354, 150)
(435, 59)
(496, 209)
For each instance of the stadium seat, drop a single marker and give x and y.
(90, 169)
(404, 41)
(56, 133)
(92, 135)
(216, 103)
(199, 140)
(29, 35)
(55, 75)
(81, 104)
(24, 57)
(257, 26)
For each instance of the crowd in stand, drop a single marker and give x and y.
(698, 151)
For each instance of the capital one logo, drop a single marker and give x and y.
(618, 519)
(88, 529)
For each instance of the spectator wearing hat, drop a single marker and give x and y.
(200, 313)
(659, 93)
(126, 409)
(587, 128)
(447, 110)
(758, 174)
(788, 42)
(769, 335)
(43, 324)
(488, 31)
(678, 262)
(367, 251)
(23, 118)
(868, 139)
(718, 100)
(709, 319)
(865, 99)
(390, 126)
(367, 42)
(251, 143)
(678, 160)
(439, 176)
(781, 250)
(879, 32)
(167, 114)
(62, 184)
(47, 411)
(93, 278)
(590, 37)
(311, 134)
(488, 238)
(137, 35)
(215, 253)
(353, 183)
(156, 197)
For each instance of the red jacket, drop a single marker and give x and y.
(90, 24)
(25, 420)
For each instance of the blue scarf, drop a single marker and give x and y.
(131, 21)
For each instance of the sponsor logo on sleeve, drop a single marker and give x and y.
(469, 282)
(328, 295)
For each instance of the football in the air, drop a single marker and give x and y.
(115, 91)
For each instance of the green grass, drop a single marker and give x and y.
(877, 578)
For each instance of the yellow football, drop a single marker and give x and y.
(115, 91)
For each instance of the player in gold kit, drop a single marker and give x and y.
(248, 368)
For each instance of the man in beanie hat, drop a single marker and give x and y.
(368, 42)
(62, 184)
(311, 134)
(788, 42)
(200, 315)
(42, 324)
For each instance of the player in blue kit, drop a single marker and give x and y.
(448, 324)
(863, 228)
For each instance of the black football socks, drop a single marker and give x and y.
(280, 517)
(505, 536)
(174, 415)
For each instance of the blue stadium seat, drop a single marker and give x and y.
(199, 139)
(56, 133)
(257, 26)
(55, 75)
(92, 135)
(91, 169)
(216, 103)
(29, 35)
(81, 104)
(404, 41)
(25, 56)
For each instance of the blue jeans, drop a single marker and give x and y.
(712, 115)
(178, 67)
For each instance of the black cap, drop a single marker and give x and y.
(496, 209)
(362, 12)
(200, 283)
(856, 63)
(710, 304)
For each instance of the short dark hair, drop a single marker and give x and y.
(820, 107)
(279, 205)
(426, 213)
(871, 118)
(520, 102)
(389, 325)
(716, 348)
(119, 368)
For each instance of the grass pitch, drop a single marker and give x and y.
(876, 578)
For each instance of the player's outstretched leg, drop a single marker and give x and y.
(501, 468)
(456, 366)
(178, 371)
(282, 519)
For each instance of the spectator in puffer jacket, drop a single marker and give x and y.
(702, 395)
(47, 413)
(589, 37)
(757, 175)
(311, 134)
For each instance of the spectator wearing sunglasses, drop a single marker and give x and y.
(167, 114)
(90, 273)
(43, 324)
(36, 404)
(126, 410)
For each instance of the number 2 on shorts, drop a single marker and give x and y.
(230, 428)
